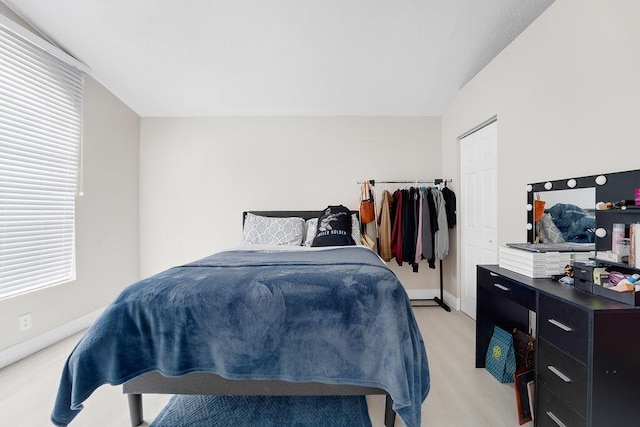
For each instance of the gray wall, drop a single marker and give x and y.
(107, 231)
(197, 175)
(566, 96)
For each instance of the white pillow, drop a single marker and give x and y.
(355, 229)
(272, 231)
(311, 226)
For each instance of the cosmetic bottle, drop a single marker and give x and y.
(616, 237)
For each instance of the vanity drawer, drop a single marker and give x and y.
(585, 285)
(501, 285)
(551, 412)
(583, 271)
(583, 275)
(563, 374)
(564, 325)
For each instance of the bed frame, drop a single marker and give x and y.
(283, 214)
(212, 384)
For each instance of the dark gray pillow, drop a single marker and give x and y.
(334, 227)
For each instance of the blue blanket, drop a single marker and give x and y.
(336, 316)
(575, 224)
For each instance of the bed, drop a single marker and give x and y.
(257, 321)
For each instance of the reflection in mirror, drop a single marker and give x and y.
(576, 223)
(565, 216)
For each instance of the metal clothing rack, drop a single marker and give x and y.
(439, 301)
(435, 181)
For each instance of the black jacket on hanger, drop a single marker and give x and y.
(433, 219)
(450, 206)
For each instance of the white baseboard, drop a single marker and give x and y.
(450, 300)
(26, 348)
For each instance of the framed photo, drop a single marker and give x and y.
(521, 379)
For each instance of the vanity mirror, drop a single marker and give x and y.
(582, 223)
(562, 211)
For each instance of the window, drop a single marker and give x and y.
(40, 133)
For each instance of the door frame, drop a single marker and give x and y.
(460, 266)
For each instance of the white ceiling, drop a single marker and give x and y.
(282, 57)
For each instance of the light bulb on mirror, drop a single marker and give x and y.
(529, 188)
(529, 207)
(601, 180)
(572, 183)
(548, 185)
(601, 232)
(529, 226)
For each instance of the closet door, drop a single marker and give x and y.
(478, 216)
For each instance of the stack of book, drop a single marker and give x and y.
(538, 264)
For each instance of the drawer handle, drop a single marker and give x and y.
(556, 419)
(559, 374)
(562, 326)
(504, 288)
(491, 273)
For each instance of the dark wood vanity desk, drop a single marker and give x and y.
(587, 347)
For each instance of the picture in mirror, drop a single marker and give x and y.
(565, 216)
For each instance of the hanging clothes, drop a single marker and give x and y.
(384, 229)
(413, 224)
(419, 230)
(429, 228)
(450, 206)
(396, 231)
(441, 237)
(409, 225)
(426, 236)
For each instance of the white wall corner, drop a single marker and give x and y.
(26, 348)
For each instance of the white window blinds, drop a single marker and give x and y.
(40, 132)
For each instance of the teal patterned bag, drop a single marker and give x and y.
(501, 358)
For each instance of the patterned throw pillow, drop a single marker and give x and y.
(334, 227)
(272, 231)
(549, 233)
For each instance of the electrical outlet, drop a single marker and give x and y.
(25, 322)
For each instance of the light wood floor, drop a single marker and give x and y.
(461, 396)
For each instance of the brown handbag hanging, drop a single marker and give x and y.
(523, 344)
(367, 208)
